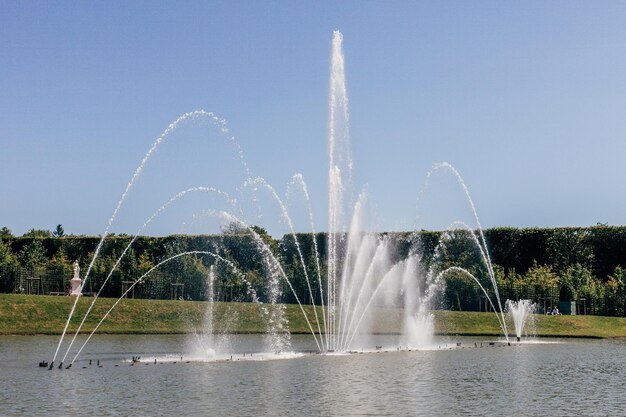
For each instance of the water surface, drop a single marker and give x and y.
(571, 377)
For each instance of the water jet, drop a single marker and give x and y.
(522, 314)
(363, 271)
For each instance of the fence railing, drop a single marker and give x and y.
(167, 285)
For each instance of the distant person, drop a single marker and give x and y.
(556, 311)
(549, 312)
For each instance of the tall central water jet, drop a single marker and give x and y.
(363, 271)
(339, 178)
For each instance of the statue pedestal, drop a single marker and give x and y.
(75, 284)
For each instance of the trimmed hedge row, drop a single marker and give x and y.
(598, 249)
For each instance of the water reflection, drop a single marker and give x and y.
(582, 377)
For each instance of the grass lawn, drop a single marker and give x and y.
(38, 314)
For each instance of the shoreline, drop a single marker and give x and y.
(149, 333)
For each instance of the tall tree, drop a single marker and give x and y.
(7, 264)
(6, 256)
(576, 282)
(58, 231)
(32, 255)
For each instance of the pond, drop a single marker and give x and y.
(550, 377)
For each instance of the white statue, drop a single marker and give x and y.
(76, 282)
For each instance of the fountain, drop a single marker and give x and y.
(363, 272)
(521, 312)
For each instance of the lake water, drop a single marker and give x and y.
(564, 377)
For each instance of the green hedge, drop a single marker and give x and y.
(598, 251)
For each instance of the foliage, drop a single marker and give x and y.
(59, 270)
(8, 263)
(38, 233)
(534, 262)
(144, 263)
(6, 256)
(33, 255)
(541, 276)
(616, 291)
(188, 270)
(60, 260)
(58, 231)
(609, 249)
(461, 293)
(576, 282)
(570, 246)
(518, 249)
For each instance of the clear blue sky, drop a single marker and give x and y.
(526, 99)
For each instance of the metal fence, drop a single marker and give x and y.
(472, 298)
(35, 281)
(161, 285)
(166, 285)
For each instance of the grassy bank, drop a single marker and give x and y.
(23, 314)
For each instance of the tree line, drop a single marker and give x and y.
(545, 264)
